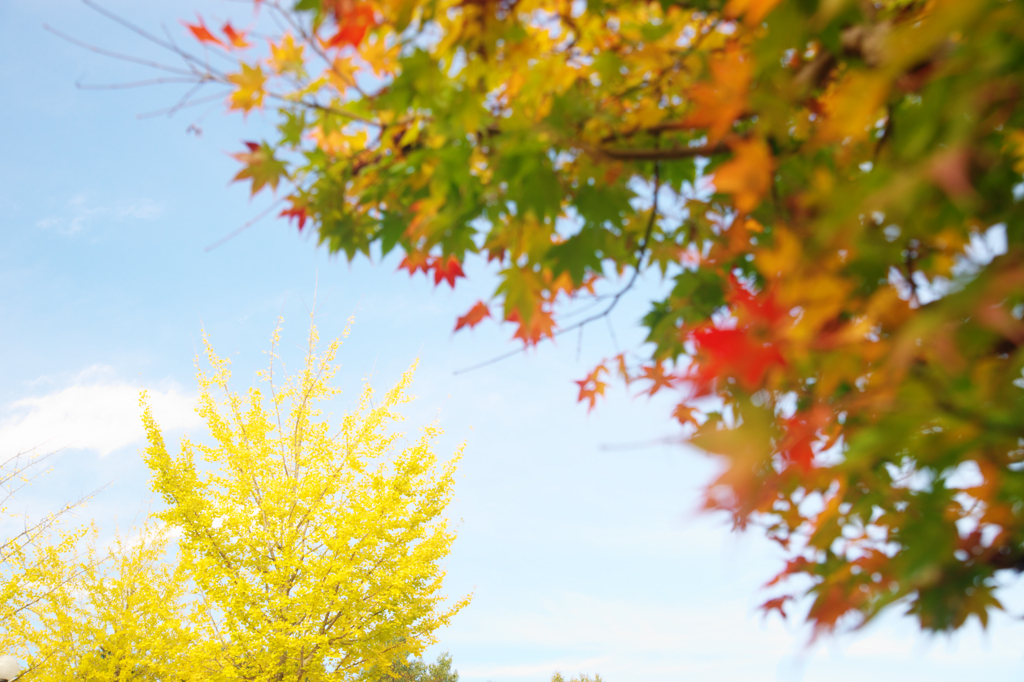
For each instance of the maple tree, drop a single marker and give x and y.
(816, 182)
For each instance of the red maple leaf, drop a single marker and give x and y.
(297, 212)
(202, 33)
(236, 37)
(474, 316)
(777, 604)
(793, 566)
(732, 352)
(759, 308)
(447, 270)
(352, 27)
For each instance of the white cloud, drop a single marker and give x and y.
(94, 413)
(81, 212)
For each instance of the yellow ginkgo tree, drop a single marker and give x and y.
(314, 549)
(115, 613)
(292, 548)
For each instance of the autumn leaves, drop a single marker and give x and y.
(826, 164)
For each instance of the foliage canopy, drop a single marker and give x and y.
(815, 181)
(306, 549)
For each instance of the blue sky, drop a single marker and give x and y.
(578, 533)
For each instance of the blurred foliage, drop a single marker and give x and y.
(557, 677)
(416, 670)
(830, 188)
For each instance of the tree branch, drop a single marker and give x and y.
(661, 154)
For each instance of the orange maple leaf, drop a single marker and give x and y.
(657, 376)
(236, 37)
(202, 33)
(591, 387)
(753, 11)
(620, 365)
(475, 315)
(748, 175)
(417, 261)
(541, 324)
(718, 103)
(685, 414)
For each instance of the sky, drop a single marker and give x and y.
(578, 534)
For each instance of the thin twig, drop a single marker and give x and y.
(231, 235)
(661, 154)
(117, 55)
(133, 84)
(189, 58)
(182, 105)
(642, 252)
(667, 440)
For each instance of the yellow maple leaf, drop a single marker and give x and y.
(342, 74)
(853, 106)
(718, 103)
(249, 94)
(382, 59)
(286, 57)
(1015, 146)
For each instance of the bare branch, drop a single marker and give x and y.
(228, 237)
(183, 104)
(661, 154)
(117, 55)
(133, 84)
